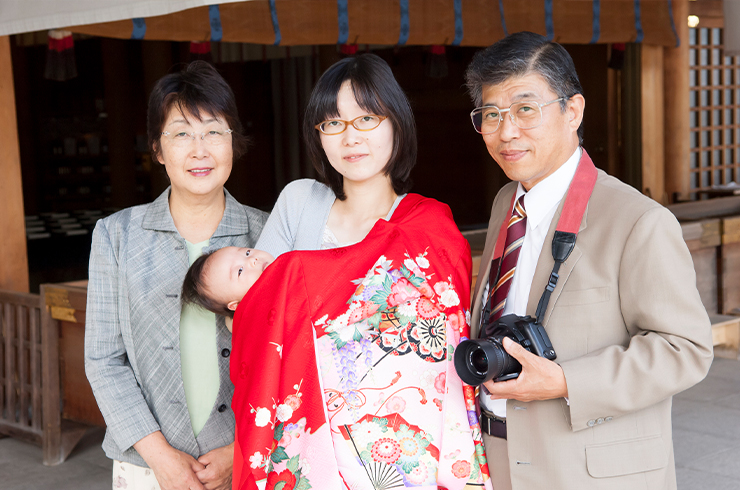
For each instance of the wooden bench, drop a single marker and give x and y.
(725, 335)
(44, 395)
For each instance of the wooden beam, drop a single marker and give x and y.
(651, 122)
(676, 89)
(14, 263)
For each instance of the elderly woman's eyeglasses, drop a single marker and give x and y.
(212, 137)
(367, 122)
(525, 115)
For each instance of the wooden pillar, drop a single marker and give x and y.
(677, 131)
(652, 122)
(14, 262)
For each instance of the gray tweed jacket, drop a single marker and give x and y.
(132, 339)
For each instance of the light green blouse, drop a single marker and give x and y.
(198, 355)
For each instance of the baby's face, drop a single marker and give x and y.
(231, 271)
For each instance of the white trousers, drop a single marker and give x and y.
(131, 477)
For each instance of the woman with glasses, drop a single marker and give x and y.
(159, 371)
(342, 353)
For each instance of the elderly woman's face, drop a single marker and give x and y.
(360, 156)
(197, 155)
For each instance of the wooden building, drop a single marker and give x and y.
(637, 124)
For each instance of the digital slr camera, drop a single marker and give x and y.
(478, 361)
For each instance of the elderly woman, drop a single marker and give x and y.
(159, 371)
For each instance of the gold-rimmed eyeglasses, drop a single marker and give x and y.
(213, 137)
(526, 114)
(368, 122)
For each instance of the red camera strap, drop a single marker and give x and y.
(576, 200)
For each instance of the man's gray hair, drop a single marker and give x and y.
(518, 55)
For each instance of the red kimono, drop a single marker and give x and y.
(342, 363)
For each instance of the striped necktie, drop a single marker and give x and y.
(514, 238)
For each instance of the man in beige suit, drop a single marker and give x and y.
(625, 318)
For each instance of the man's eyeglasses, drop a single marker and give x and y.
(212, 137)
(525, 115)
(367, 122)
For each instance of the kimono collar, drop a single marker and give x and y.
(234, 221)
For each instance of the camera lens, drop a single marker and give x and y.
(479, 361)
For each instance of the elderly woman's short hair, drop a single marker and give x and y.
(198, 89)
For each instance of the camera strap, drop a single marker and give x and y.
(576, 200)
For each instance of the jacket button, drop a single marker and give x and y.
(608, 419)
(222, 408)
(225, 352)
(591, 423)
(599, 420)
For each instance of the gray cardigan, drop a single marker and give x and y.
(132, 331)
(299, 217)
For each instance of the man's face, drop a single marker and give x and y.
(530, 155)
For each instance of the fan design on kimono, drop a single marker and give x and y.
(393, 452)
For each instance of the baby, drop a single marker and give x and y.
(217, 281)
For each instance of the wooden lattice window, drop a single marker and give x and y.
(714, 85)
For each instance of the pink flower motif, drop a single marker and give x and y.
(356, 315)
(370, 309)
(286, 440)
(425, 309)
(461, 469)
(401, 292)
(438, 402)
(293, 401)
(396, 405)
(419, 474)
(120, 482)
(441, 287)
(439, 382)
(426, 290)
(386, 450)
(456, 320)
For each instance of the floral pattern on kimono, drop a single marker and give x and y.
(350, 383)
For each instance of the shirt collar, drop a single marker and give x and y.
(234, 222)
(547, 194)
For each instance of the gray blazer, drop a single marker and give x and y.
(132, 333)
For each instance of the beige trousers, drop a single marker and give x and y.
(131, 477)
(497, 454)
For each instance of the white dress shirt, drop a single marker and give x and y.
(540, 204)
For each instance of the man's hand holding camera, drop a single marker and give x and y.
(540, 379)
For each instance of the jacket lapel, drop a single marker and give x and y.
(545, 264)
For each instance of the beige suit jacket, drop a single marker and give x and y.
(629, 331)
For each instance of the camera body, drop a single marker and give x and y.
(478, 361)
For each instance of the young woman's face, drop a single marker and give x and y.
(360, 156)
(197, 166)
(232, 271)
